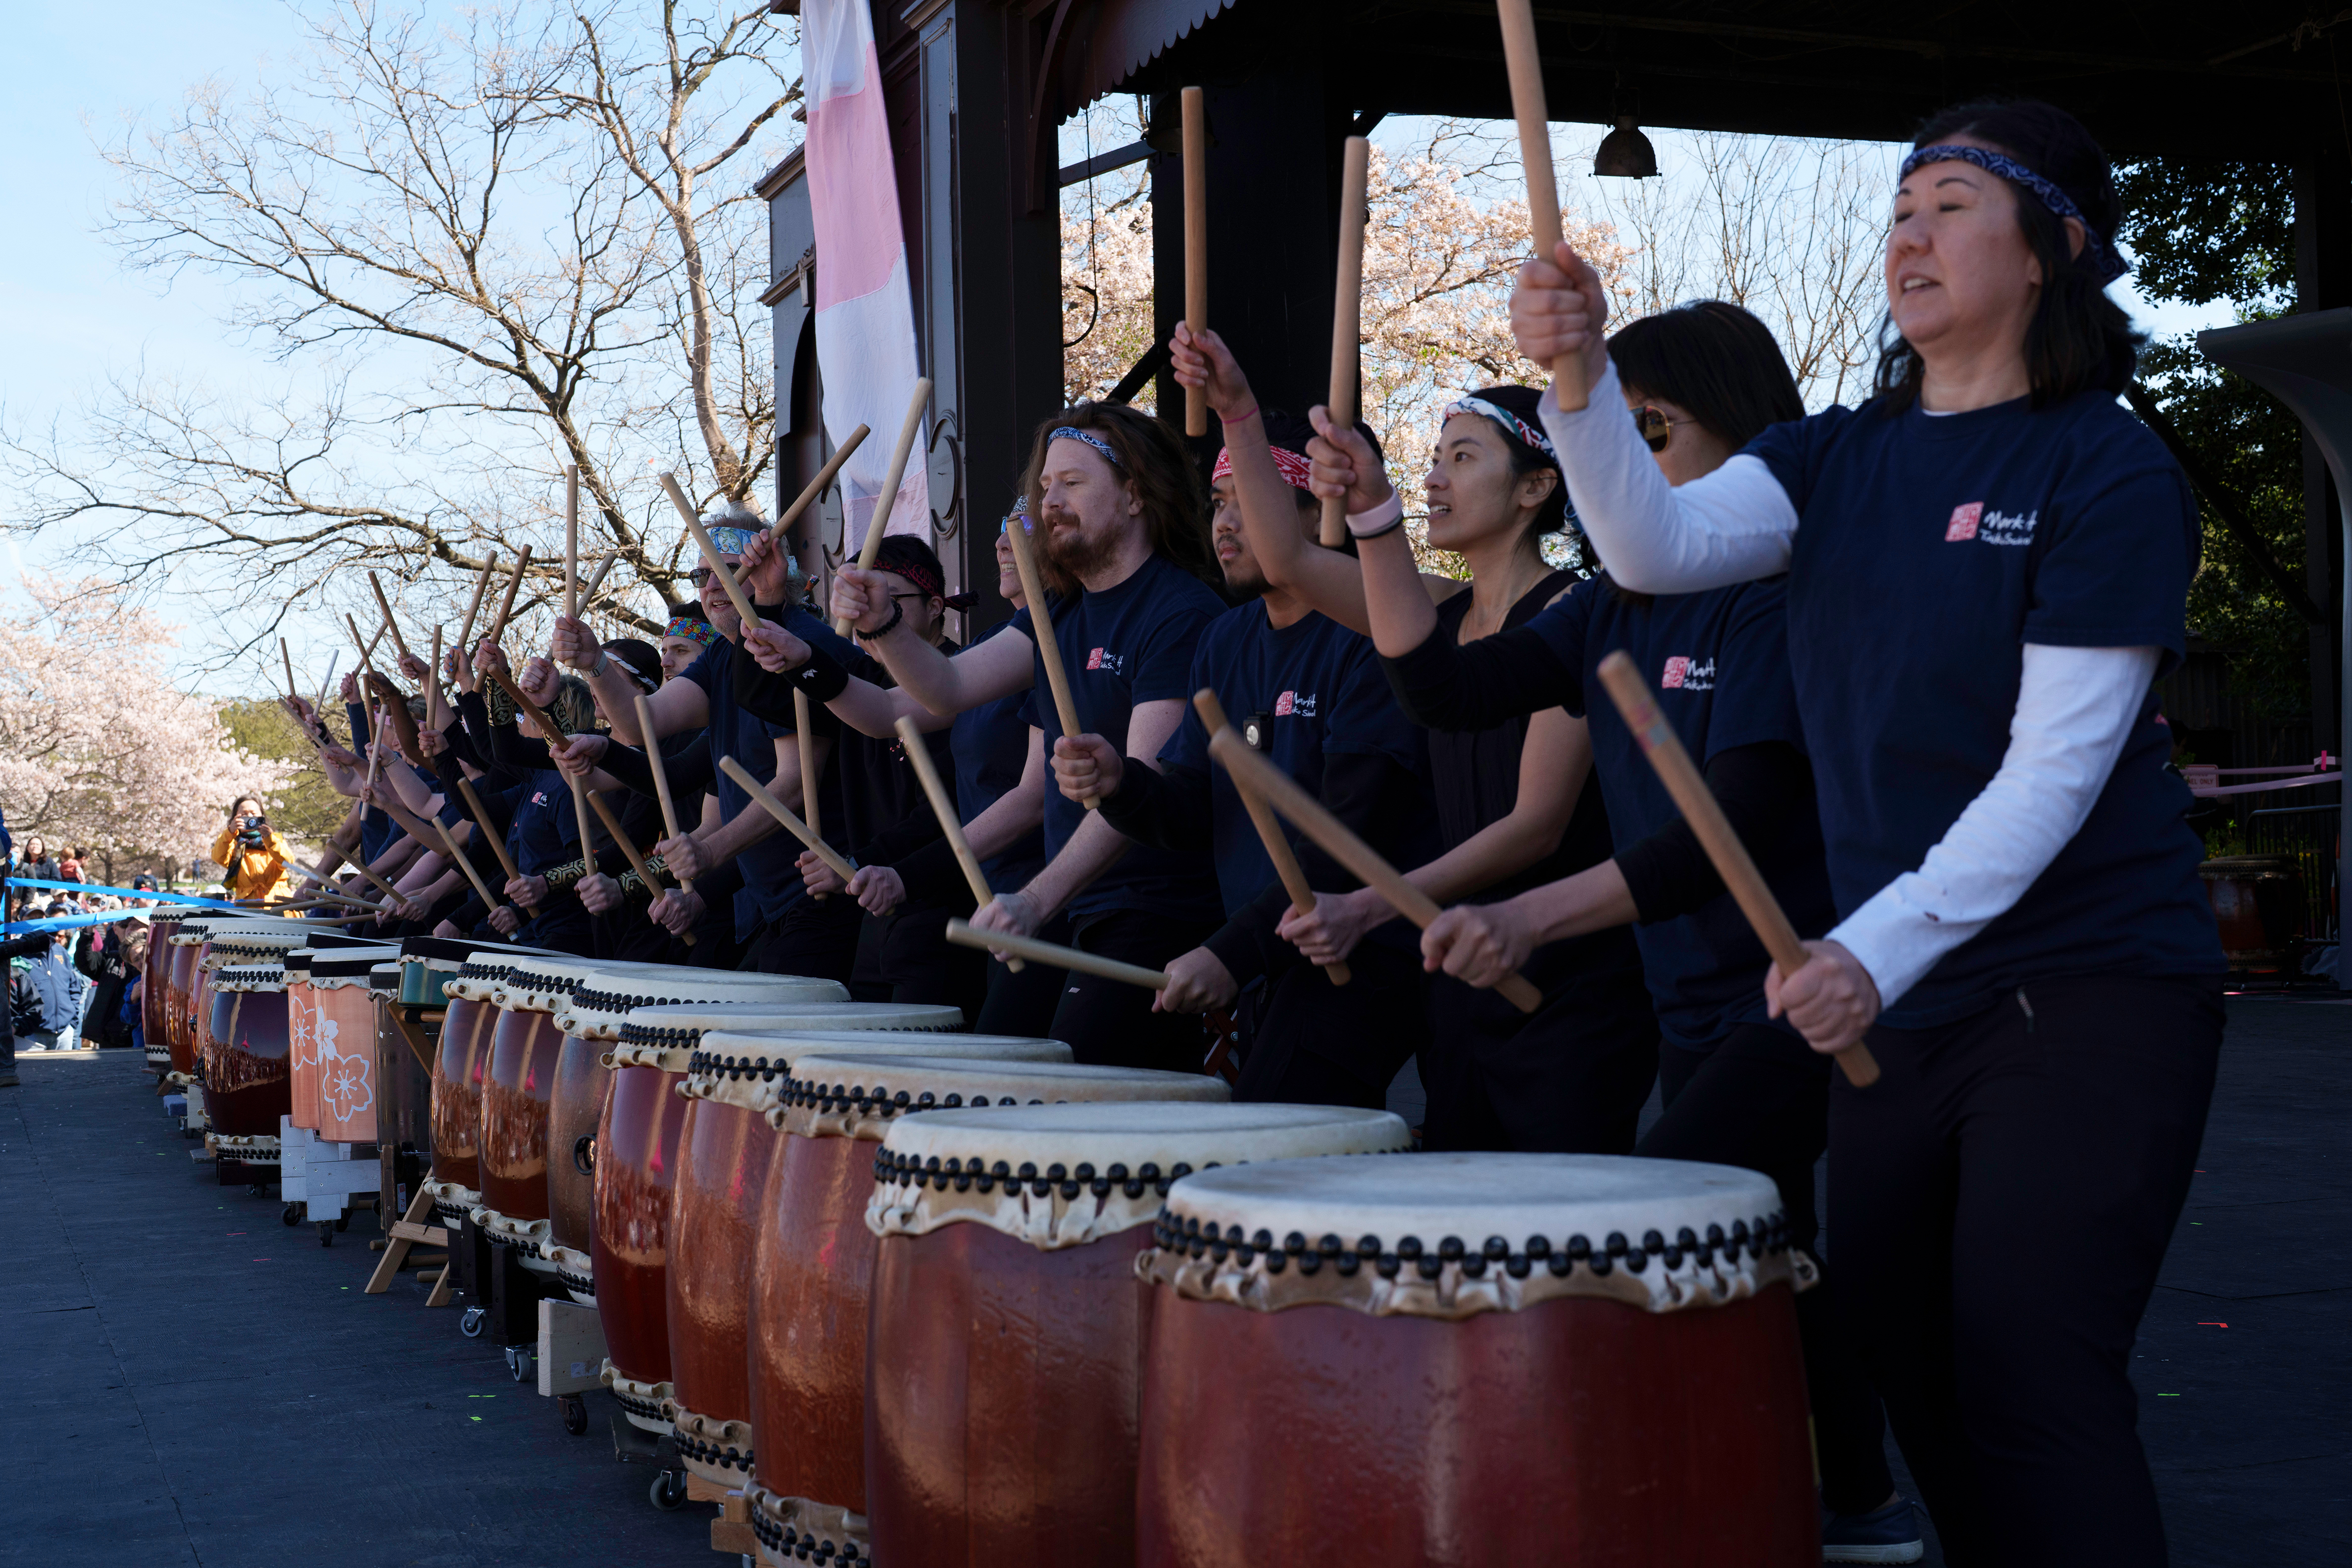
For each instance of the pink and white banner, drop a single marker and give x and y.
(865, 313)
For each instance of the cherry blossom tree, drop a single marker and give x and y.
(97, 747)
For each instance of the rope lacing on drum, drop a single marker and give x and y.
(893, 1168)
(1191, 1238)
(668, 1039)
(712, 1064)
(879, 1100)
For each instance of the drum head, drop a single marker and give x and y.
(1095, 1169)
(1451, 1234)
(342, 966)
(856, 1097)
(746, 1069)
(602, 1001)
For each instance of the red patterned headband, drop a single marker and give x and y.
(1295, 470)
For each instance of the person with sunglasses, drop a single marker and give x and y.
(778, 930)
(1511, 807)
(1738, 1087)
(1988, 565)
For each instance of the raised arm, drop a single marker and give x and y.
(997, 668)
(1734, 525)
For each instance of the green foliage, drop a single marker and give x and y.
(308, 810)
(2200, 231)
(2252, 447)
(2205, 230)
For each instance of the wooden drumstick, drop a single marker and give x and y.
(1060, 957)
(637, 861)
(1270, 831)
(580, 809)
(804, 737)
(398, 642)
(596, 578)
(395, 707)
(816, 485)
(1524, 65)
(1058, 680)
(482, 826)
(433, 703)
(474, 607)
(382, 884)
(321, 705)
(711, 558)
(1196, 246)
(572, 542)
(661, 776)
(374, 738)
(449, 846)
(1347, 325)
(1715, 835)
(783, 813)
(506, 605)
(876, 524)
(943, 806)
(1340, 843)
(293, 690)
(528, 708)
(366, 645)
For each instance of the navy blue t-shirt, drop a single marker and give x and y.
(1718, 663)
(1931, 549)
(771, 876)
(545, 829)
(1124, 645)
(1319, 688)
(991, 745)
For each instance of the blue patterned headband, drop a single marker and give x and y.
(731, 541)
(2097, 253)
(1091, 439)
(1512, 423)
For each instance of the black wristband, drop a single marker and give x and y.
(898, 614)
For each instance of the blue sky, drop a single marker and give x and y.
(70, 314)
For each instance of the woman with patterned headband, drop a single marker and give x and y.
(1987, 566)
(1512, 811)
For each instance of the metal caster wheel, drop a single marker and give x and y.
(519, 1363)
(669, 1491)
(290, 1215)
(253, 1190)
(575, 1413)
(326, 1229)
(470, 1323)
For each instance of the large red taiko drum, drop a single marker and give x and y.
(813, 1271)
(1461, 1360)
(1005, 1350)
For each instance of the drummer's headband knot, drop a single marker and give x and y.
(2097, 254)
(1073, 432)
(1513, 426)
(1296, 470)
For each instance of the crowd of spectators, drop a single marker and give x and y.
(72, 987)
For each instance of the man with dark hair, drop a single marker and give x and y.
(1309, 694)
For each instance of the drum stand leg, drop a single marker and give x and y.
(442, 1295)
(405, 1234)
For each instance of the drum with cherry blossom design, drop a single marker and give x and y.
(333, 1015)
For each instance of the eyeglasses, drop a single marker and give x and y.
(1657, 430)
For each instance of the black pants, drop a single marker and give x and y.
(561, 926)
(905, 956)
(1109, 1023)
(2002, 1200)
(1759, 1098)
(1022, 1001)
(813, 938)
(1570, 1079)
(1314, 1042)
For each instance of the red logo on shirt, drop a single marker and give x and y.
(1963, 525)
(1677, 671)
(1283, 704)
(1094, 659)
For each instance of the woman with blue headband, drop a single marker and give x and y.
(1987, 567)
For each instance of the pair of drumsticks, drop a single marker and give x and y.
(1266, 790)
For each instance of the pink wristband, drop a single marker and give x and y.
(1371, 524)
(1236, 419)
